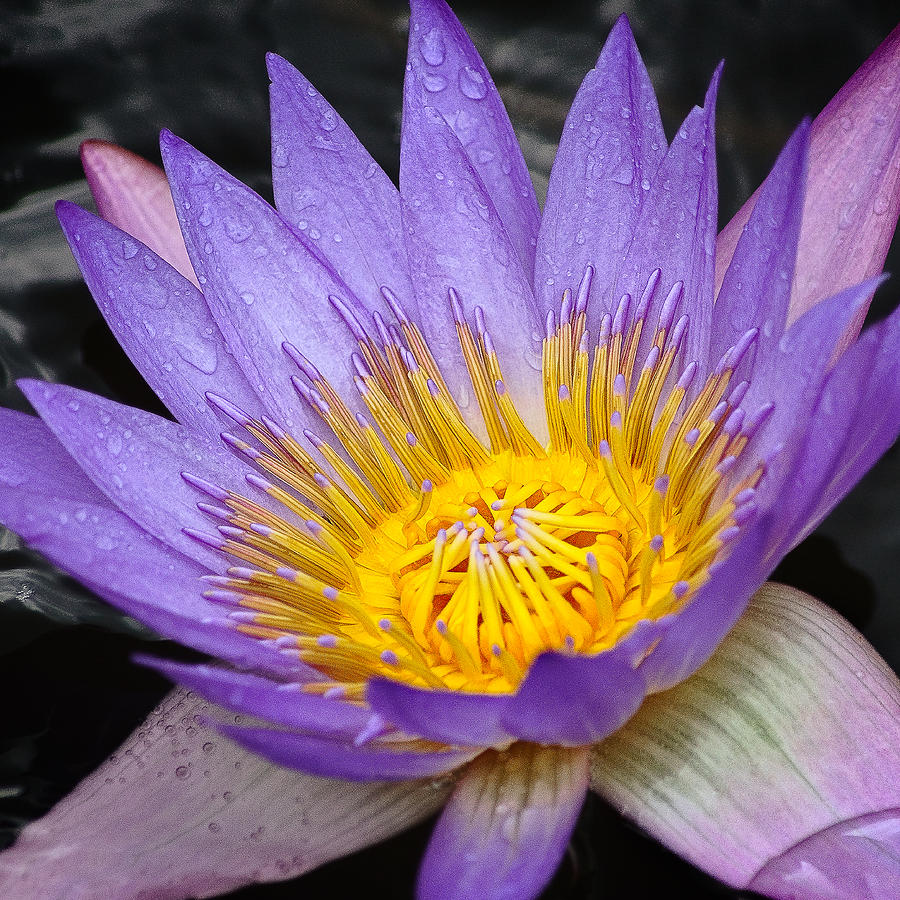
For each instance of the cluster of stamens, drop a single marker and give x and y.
(422, 552)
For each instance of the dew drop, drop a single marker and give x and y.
(214, 827)
(432, 47)
(434, 84)
(248, 298)
(279, 156)
(129, 249)
(199, 354)
(181, 772)
(238, 230)
(472, 83)
(880, 206)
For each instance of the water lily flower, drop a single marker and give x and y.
(472, 504)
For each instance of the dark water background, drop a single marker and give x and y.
(121, 71)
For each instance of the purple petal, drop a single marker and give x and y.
(53, 505)
(696, 630)
(609, 152)
(215, 637)
(98, 544)
(445, 72)
(338, 759)
(791, 373)
(279, 704)
(855, 421)
(455, 239)
(134, 195)
(31, 458)
(159, 318)
(506, 826)
(852, 196)
(136, 459)
(336, 197)
(855, 858)
(570, 699)
(262, 284)
(791, 728)
(180, 812)
(450, 717)
(564, 699)
(132, 571)
(676, 228)
(756, 290)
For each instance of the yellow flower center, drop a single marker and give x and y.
(424, 554)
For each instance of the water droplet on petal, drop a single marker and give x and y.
(434, 84)
(279, 156)
(472, 83)
(181, 772)
(199, 354)
(432, 47)
(238, 230)
(129, 249)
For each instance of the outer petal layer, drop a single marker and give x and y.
(506, 826)
(856, 858)
(792, 727)
(853, 192)
(181, 812)
(134, 195)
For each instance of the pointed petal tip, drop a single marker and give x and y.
(278, 67)
(168, 140)
(65, 211)
(712, 92)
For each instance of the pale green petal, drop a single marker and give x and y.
(791, 728)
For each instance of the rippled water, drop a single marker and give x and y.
(72, 71)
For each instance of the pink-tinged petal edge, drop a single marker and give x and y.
(178, 811)
(853, 189)
(791, 730)
(134, 195)
(506, 826)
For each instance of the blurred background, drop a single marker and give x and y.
(121, 71)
